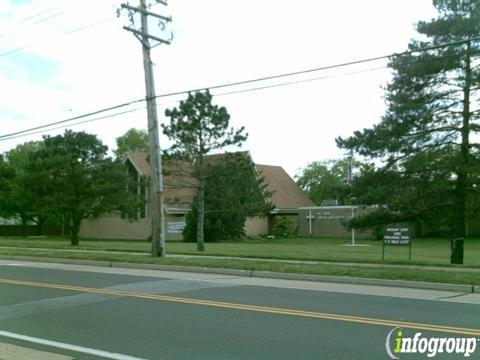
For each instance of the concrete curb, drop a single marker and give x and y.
(260, 274)
(195, 269)
(57, 260)
(369, 281)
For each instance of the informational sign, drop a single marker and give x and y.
(176, 227)
(397, 236)
(330, 215)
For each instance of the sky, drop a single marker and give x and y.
(64, 58)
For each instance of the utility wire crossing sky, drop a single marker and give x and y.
(66, 62)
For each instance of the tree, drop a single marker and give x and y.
(197, 127)
(19, 200)
(133, 139)
(328, 179)
(234, 191)
(426, 132)
(7, 173)
(74, 178)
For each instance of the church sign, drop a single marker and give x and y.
(397, 236)
(330, 221)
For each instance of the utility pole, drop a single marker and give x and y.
(155, 197)
(350, 180)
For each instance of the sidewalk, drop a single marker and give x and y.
(13, 352)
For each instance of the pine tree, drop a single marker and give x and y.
(198, 127)
(426, 133)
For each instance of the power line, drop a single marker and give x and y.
(260, 79)
(72, 118)
(321, 78)
(300, 81)
(80, 28)
(47, 127)
(37, 14)
(54, 15)
(29, 132)
(78, 123)
(329, 67)
(45, 11)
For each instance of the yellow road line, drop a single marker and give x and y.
(254, 308)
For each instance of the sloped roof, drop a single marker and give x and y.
(286, 193)
(179, 186)
(139, 161)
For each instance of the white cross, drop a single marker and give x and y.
(310, 218)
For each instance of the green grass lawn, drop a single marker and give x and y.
(424, 251)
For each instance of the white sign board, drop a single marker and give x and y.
(176, 227)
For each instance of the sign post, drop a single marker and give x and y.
(397, 236)
(353, 229)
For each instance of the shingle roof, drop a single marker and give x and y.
(139, 161)
(286, 193)
(179, 186)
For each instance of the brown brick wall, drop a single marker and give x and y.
(256, 226)
(112, 226)
(328, 222)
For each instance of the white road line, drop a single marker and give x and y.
(75, 348)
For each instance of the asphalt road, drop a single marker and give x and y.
(142, 314)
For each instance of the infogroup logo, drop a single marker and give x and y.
(397, 343)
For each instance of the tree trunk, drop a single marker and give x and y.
(39, 227)
(24, 226)
(457, 227)
(200, 213)
(75, 230)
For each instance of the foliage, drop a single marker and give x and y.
(75, 179)
(18, 199)
(328, 179)
(284, 227)
(7, 173)
(425, 137)
(196, 128)
(134, 140)
(233, 192)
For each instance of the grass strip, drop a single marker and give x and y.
(435, 276)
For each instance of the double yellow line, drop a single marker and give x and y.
(254, 308)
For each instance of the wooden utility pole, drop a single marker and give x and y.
(155, 197)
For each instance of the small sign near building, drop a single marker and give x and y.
(397, 236)
(176, 227)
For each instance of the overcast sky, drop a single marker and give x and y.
(60, 74)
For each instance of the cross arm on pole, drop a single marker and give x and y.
(144, 34)
(146, 12)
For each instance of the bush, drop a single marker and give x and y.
(218, 226)
(284, 227)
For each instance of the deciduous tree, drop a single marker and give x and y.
(133, 139)
(328, 179)
(74, 177)
(19, 200)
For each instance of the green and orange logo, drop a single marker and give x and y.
(432, 346)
